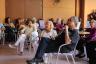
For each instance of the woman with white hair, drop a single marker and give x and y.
(46, 37)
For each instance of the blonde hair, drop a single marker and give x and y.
(51, 23)
(34, 19)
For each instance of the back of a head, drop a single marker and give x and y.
(34, 19)
(76, 20)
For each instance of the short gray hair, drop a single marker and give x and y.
(75, 19)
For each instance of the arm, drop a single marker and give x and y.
(67, 38)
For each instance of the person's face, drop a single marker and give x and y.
(9, 20)
(30, 24)
(92, 24)
(20, 21)
(71, 23)
(47, 26)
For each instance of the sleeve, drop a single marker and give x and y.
(54, 33)
(41, 35)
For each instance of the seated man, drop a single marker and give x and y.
(71, 37)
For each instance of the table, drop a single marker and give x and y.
(84, 33)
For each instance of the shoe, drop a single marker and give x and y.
(35, 61)
(40, 60)
(31, 61)
(80, 55)
(11, 46)
(21, 53)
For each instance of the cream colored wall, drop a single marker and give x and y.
(2, 9)
(63, 9)
(90, 5)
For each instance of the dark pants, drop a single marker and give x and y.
(91, 52)
(80, 46)
(48, 45)
(42, 48)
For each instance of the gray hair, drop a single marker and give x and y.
(75, 19)
(51, 23)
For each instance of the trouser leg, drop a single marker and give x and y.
(41, 48)
(91, 52)
(21, 41)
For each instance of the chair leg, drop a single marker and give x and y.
(85, 52)
(3, 41)
(30, 46)
(73, 59)
(67, 59)
(50, 57)
(57, 58)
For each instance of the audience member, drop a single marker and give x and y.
(58, 25)
(9, 30)
(25, 33)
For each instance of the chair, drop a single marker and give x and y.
(72, 54)
(2, 37)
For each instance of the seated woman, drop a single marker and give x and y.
(58, 25)
(46, 35)
(9, 30)
(71, 37)
(91, 44)
(89, 38)
(25, 33)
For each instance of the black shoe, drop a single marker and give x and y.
(21, 53)
(37, 61)
(80, 55)
(31, 61)
(40, 60)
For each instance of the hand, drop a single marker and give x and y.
(53, 38)
(66, 27)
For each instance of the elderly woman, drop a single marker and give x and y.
(89, 38)
(25, 33)
(91, 45)
(46, 36)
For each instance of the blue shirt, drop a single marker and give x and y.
(1, 26)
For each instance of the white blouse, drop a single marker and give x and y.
(50, 34)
